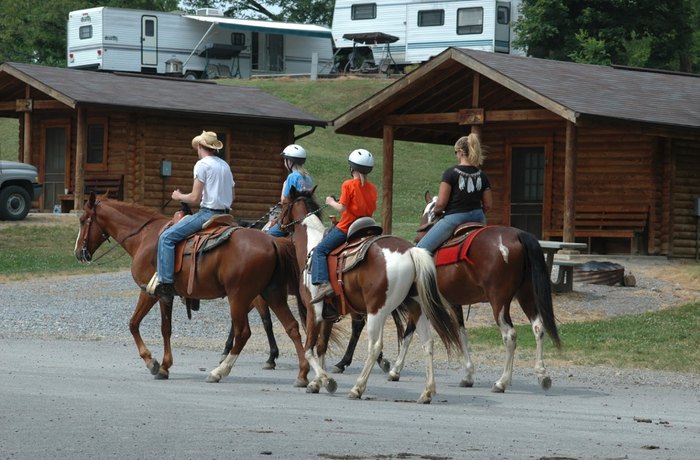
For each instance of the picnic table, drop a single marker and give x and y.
(564, 281)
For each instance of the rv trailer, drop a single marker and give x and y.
(425, 28)
(205, 45)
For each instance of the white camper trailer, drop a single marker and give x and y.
(206, 45)
(425, 28)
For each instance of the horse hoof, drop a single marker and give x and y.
(466, 384)
(299, 383)
(269, 366)
(312, 387)
(153, 366)
(393, 377)
(385, 365)
(354, 395)
(161, 375)
(337, 369)
(331, 386)
(424, 400)
(497, 389)
(546, 383)
(213, 378)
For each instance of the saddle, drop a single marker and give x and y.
(362, 234)
(214, 232)
(456, 248)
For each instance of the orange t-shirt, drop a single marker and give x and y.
(359, 201)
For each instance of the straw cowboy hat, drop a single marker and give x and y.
(207, 139)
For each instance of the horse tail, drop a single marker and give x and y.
(541, 284)
(433, 304)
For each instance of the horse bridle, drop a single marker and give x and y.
(284, 227)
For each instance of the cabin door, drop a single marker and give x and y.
(55, 149)
(527, 189)
(275, 52)
(502, 33)
(149, 44)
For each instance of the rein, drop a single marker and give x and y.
(284, 227)
(267, 214)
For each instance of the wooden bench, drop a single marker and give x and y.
(113, 186)
(608, 221)
(565, 276)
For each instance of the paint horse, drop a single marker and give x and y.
(393, 274)
(247, 264)
(500, 263)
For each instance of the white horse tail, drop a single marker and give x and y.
(433, 304)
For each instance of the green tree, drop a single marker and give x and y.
(38, 34)
(646, 33)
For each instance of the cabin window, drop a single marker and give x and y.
(503, 15)
(85, 32)
(238, 38)
(96, 155)
(429, 18)
(364, 11)
(470, 21)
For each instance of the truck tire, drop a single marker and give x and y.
(15, 203)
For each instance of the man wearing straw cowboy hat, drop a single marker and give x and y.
(212, 190)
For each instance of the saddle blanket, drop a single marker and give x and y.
(455, 253)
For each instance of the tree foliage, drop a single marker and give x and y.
(646, 33)
(35, 32)
(318, 12)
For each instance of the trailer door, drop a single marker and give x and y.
(502, 36)
(149, 43)
(275, 52)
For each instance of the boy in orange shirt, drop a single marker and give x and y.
(358, 198)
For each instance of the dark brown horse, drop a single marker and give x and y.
(502, 263)
(249, 263)
(393, 274)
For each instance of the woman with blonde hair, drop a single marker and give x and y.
(464, 195)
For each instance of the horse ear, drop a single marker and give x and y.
(91, 200)
(428, 197)
(313, 190)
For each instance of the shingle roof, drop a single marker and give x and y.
(81, 87)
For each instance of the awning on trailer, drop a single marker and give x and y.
(371, 38)
(286, 28)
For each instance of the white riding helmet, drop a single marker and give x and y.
(361, 160)
(295, 153)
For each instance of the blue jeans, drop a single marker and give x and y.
(173, 235)
(319, 260)
(443, 228)
(276, 231)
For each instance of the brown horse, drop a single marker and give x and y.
(502, 263)
(249, 263)
(393, 274)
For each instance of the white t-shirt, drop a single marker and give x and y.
(218, 182)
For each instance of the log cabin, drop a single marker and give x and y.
(605, 155)
(130, 135)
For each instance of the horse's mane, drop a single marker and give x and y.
(132, 209)
(312, 207)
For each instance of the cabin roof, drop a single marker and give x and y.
(149, 94)
(579, 93)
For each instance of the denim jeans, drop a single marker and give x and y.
(173, 235)
(319, 260)
(443, 228)
(276, 231)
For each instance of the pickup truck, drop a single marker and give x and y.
(19, 185)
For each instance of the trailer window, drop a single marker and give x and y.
(85, 32)
(149, 28)
(238, 38)
(430, 18)
(470, 21)
(503, 15)
(96, 156)
(364, 11)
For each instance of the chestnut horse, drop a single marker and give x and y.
(249, 263)
(394, 273)
(503, 263)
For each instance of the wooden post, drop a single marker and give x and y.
(27, 134)
(570, 184)
(80, 154)
(387, 178)
(476, 81)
